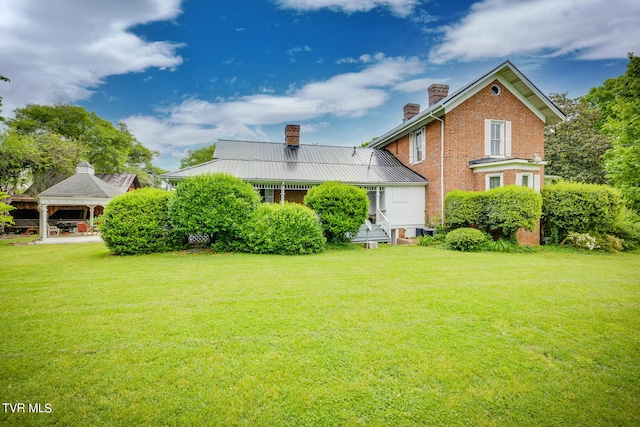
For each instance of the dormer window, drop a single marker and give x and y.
(497, 138)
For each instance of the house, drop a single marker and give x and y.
(487, 134)
(285, 171)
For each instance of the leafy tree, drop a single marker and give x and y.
(5, 218)
(42, 158)
(575, 147)
(342, 208)
(2, 79)
(198, 156)
(619, 102)
(216, 205)
(46, 142)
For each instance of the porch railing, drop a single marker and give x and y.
(382, 220)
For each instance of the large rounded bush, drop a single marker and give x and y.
(465, 239)
(462, 208)
(289, 230)
(216, 205)
(342, 208)
(137, 222)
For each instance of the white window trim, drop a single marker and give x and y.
(506, 138)
(534, 180)
(420, 133)
(487, 180)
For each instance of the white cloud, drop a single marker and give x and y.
(58, 51)
(594, 29)
(196, 121)
(400, 8)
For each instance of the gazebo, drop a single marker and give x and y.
(81, 189)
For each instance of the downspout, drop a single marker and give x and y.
(441, 167)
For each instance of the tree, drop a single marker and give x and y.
(619, 102)
(5, 218)
(198, 156)
(2, 79)
(46, 142)
(574, 148)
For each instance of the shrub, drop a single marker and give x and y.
(580, 208)
(137, 222)
(342, 208)
(289, 230)
(435, 240)
(465, 239)
(581, 240)
(501, 245)
(507, 209)
(215, 205)
(627, 227)
(462, 208)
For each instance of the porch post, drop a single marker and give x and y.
(377, 202)
(282, 194)
(91, 208)
(43, 221)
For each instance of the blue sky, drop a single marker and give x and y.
(182, 74)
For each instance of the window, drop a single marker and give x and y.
(497, 138)
(267, 195)
(417, 146)
(496, 89)
(525, 179)
(493, 181)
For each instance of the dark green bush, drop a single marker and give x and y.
(291, 229)
(462, 208)
(581, 208)
(507, 209)
(465, 239)
(215, 205)
(342, 209)
(137, 222)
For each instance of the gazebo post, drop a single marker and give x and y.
(91, 208)
(43, 221)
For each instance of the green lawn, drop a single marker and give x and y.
(401, 335)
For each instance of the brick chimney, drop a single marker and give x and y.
(292, 135)
(410, 110)
(437, 92)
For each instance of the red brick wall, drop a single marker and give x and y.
(464, 141)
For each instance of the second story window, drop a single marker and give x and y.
(497, 138)
(417, 146)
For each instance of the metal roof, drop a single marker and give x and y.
(506, 71)
(123, 180)
(276, 162)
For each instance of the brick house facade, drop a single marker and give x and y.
(488, 133)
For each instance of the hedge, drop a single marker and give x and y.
(503, 210)
(291, 229)
(580, 208)
(137, 222)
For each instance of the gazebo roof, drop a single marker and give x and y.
(84, 184)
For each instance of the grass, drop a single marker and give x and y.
(402, 335)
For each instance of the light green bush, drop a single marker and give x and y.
(507, 209)
(465, 239)
(137, 222)
(291, 229)
(216, 205)
(462, 208)
(342, 208)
